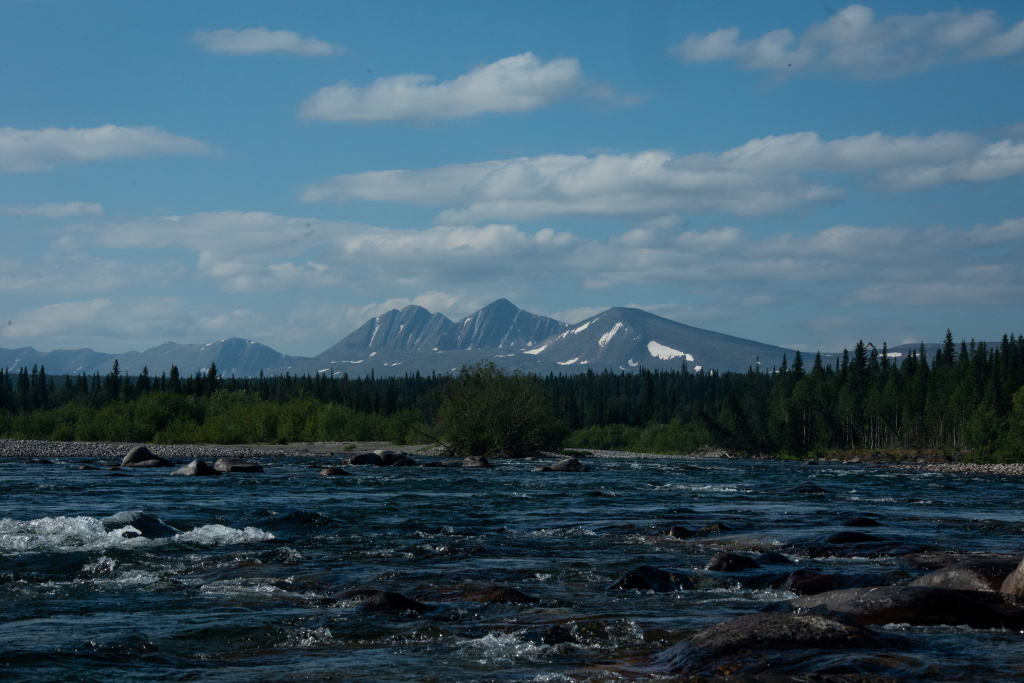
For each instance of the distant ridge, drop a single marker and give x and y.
(415, 340)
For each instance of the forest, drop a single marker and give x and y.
(966, 402)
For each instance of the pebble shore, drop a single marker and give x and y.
(33, 450)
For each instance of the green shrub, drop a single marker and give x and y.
(487, 411)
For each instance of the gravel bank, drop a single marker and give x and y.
(33, 450)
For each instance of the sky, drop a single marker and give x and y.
(806, 174)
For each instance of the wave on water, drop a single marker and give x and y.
(56, 534)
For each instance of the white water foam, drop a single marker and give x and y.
(88, 533)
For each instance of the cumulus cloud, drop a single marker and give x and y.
(46, 148)
(250, 252)
(854, 42)
(94, 317)
(855, 264)
(999, 160)
(764, 175)
(517, 83)
(53, 210)
(254, 41)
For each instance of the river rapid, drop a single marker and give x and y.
(135, 575)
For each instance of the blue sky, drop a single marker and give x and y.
(799, 173)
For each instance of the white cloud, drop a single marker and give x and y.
(854, 42)
(96, 317)
(249, 252)
(53, 210)
(43, 149)
(764, 175)
(517, 83)
(999, 160)
(252, 41)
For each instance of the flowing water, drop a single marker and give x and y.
(135, 575)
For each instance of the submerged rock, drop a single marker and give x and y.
(681, 532)
(861, 522)
(492, 594)
(147, 524)
(140, 456)
(196, 468)
(808, 488)
(757, 643)
(236, 465)
(772, 557)
(916, 605)
(373, 600)
(731, 562)
(811, 582)
(333, 472)
(968, 576)
(646, 577)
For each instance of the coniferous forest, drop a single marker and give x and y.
(966, 401)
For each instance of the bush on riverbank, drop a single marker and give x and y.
(225, 417)
(486, 411)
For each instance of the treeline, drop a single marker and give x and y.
(967, 399)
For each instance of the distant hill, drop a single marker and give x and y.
(620, 340)
(235, 356)
(416, 340)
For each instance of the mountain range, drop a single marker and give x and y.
(414, 339)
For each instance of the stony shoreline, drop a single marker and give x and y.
(13, 448)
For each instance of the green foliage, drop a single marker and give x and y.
(965, 402)
(487, 411)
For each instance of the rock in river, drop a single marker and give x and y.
(236, 465)
(196, 468)
(759, 643)
(731, 562)
(916, 605)
(140, 456)
(646, 577)
(1014, 583)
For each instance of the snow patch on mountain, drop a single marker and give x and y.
(607, 336)
(576, 330)
(569, 362)
(665, 353)
(534, 352)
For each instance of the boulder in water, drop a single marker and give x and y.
(140, 456)
(916, 605)
(373, 600)
(757, 643)
(681, 532)
(967, 576)
(569, 465)
(364, 459)
(1014, 583)
(646, 577)
(731, 562)
(475, 461)
(236, 465)
(861, 522)
(772, 557)
(811, 582)
(808, 488)
(333, 472)
(196, 468)
(492, 594)
(147, 524)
